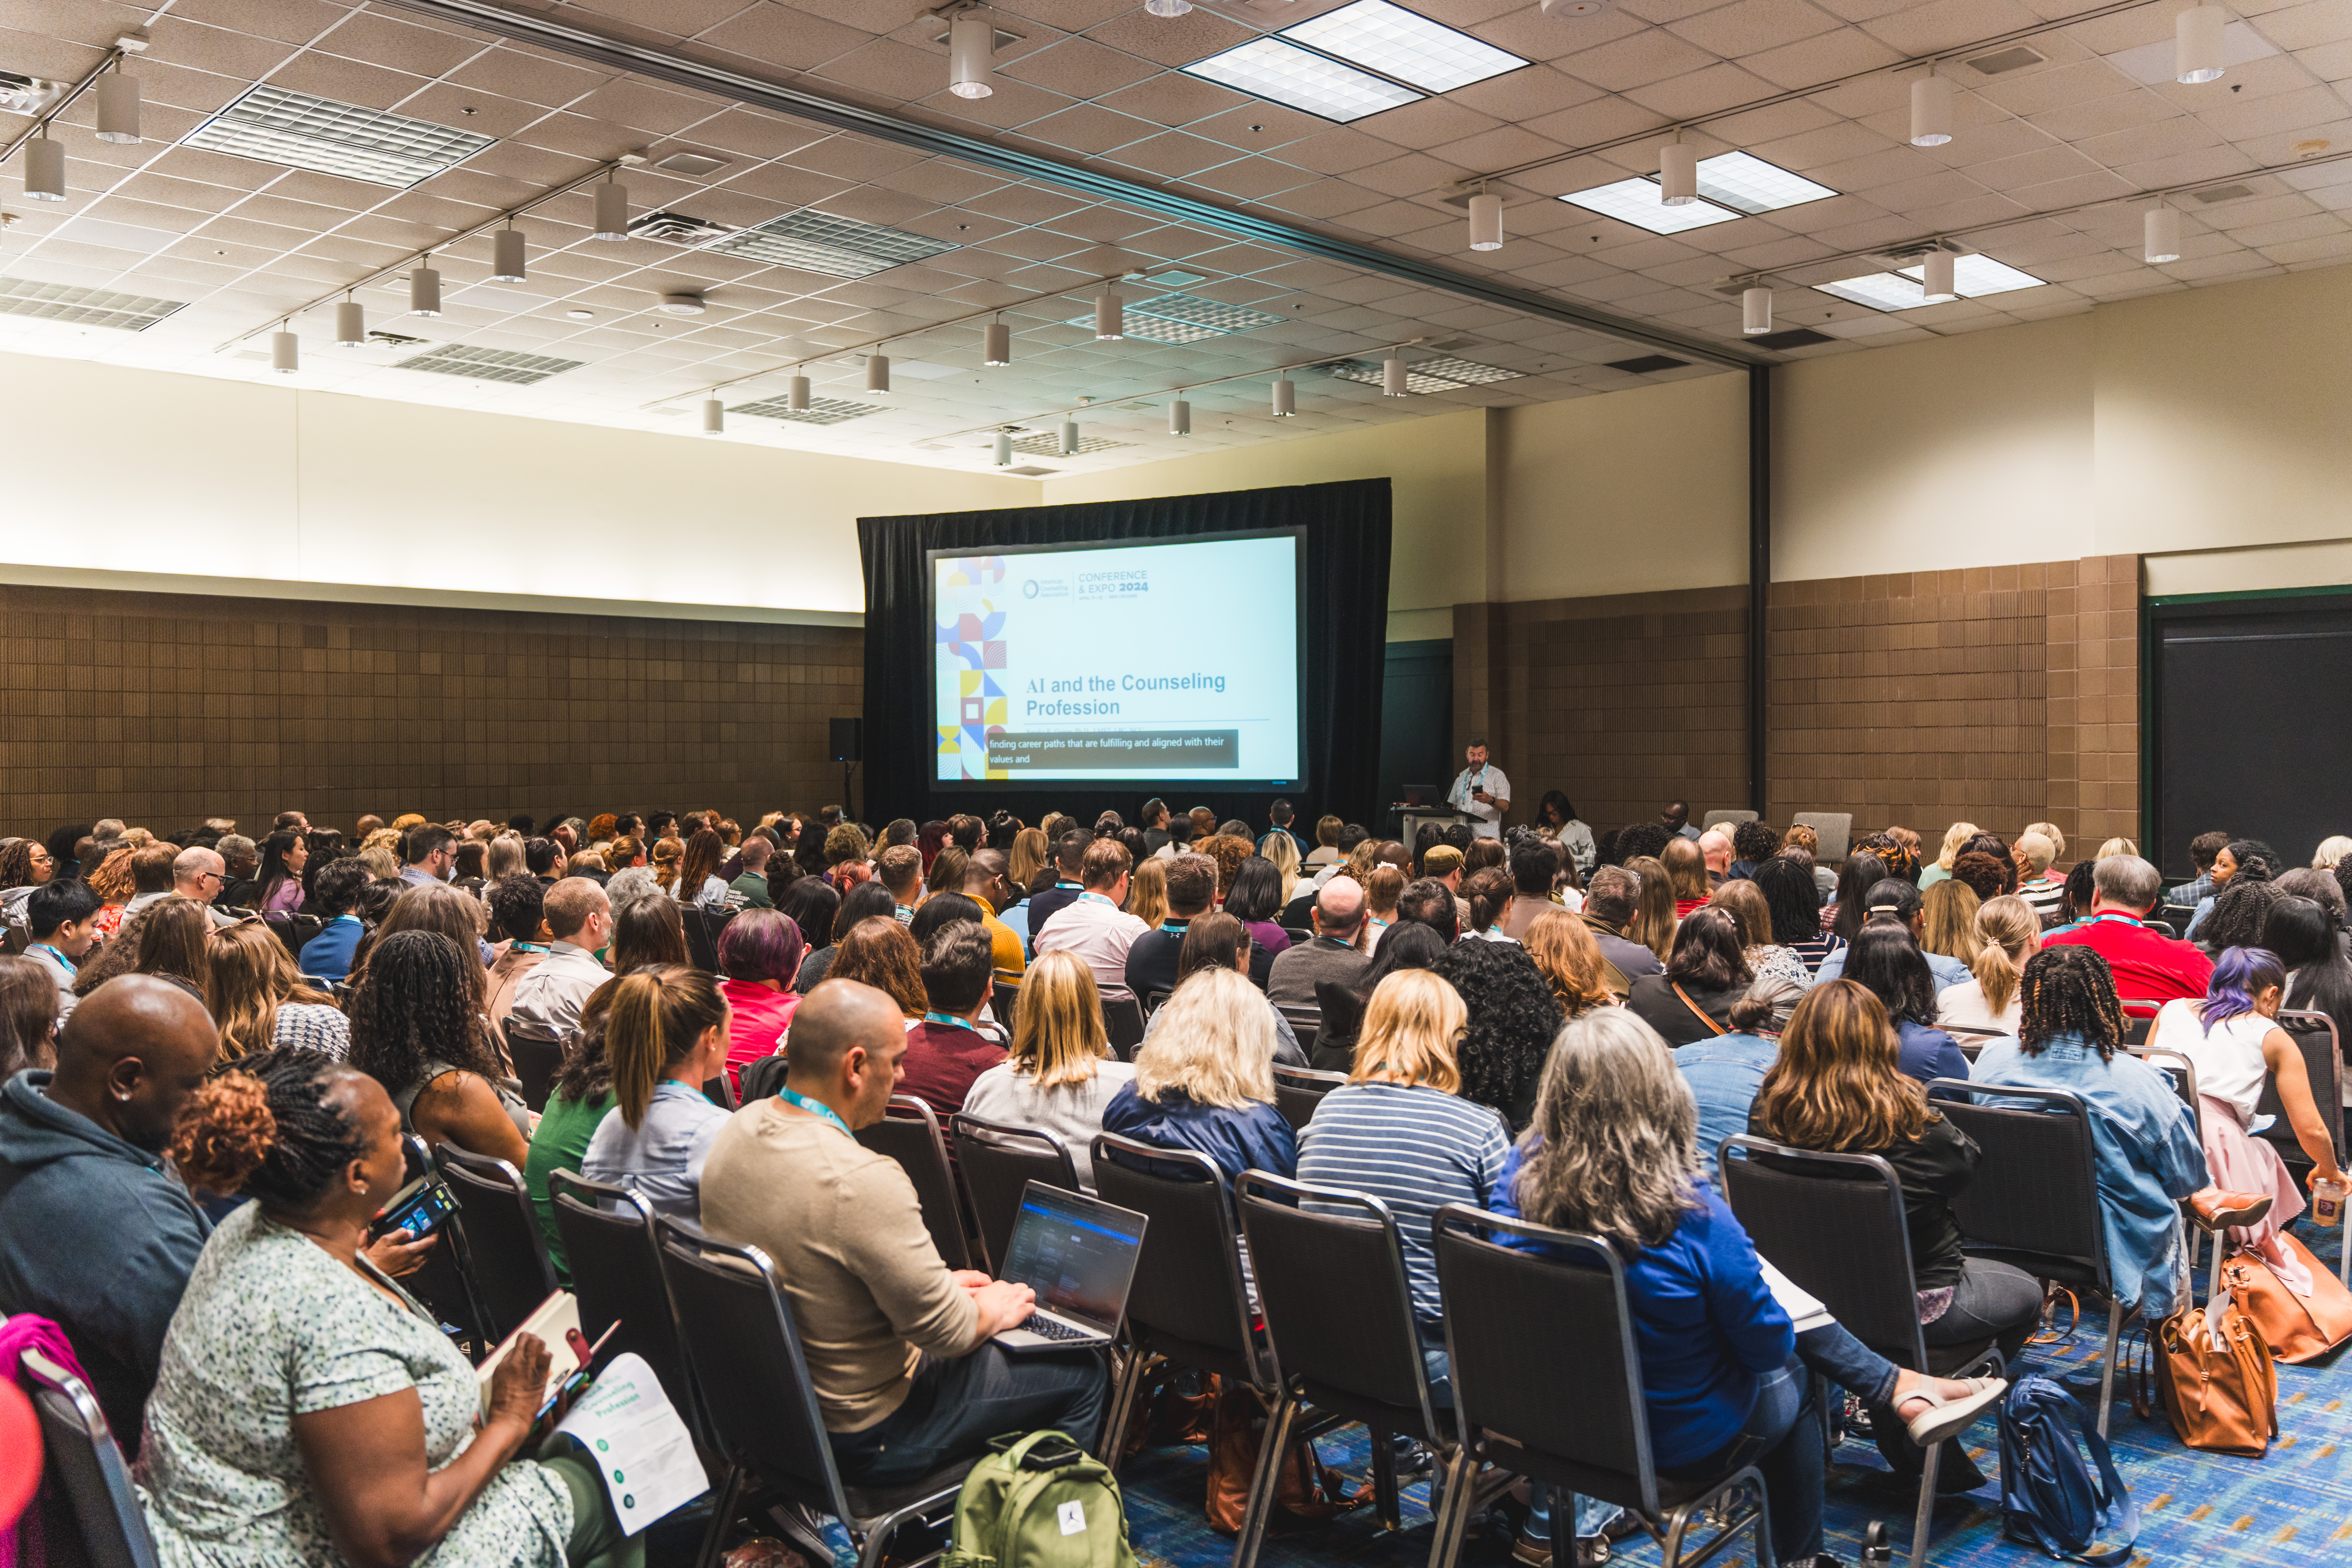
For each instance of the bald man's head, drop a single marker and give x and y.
(756, 851)
(1340, 907)
(844, 1047)
(198, 873)
(131, 1054)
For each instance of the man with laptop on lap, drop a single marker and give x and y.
(909, 1369)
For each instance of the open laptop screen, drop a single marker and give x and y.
(1078, 1253)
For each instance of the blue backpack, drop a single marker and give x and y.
(2049, 1496)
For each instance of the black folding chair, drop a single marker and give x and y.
(719, 1090)
(1298, 1090)
(1340, 1324)
(1305, 1022)
(910, 1133)
(762, 1404)
(1299, 935)
(2314, 1034)
(2182, 1074)
(998, 1163)
(1153, 1002)
(444, 1282)
(761, 1079)
(704, 925)
(2139, 1019)
(1188, 1303)
(1834, 1224)
(1005, 1001)
(2177, 916)
(535, 1052)
(1341, 1013)
(86, 1499)
(505, 1248)
(608, 1243)
(1123, 1019)
(2033, 1202)
(1548, 1385)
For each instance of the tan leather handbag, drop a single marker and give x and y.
(2221, 1399)
(2299, 1327)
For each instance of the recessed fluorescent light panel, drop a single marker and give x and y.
(488, 364)
(1184, 319)
(1048, 444)
(820, 411)
(1635, 201)
(1403, 45)
(1299, 79)
(1428, 376)
(275, 126)
(1973, 276)
(1751, 185)
(82, 306)
(835, 246)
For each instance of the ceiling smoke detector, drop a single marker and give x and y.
(682, 305)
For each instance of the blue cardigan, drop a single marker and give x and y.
(1254, 1138)
(1704, 1324)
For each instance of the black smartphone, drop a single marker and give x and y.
(419, 1208)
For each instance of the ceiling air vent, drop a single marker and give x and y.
(82, 306)
(394, 339)
(1647, 364)
(820, 411)
(26, 94)
(693, 165)
(1442, 374)
(2015, 58)
(1794, 338)
(1032, 471)
(1184, 319)
(677, 228)
(2219, 194)
(488, 364)
(836, 246)
(275, 126)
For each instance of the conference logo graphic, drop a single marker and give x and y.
(1029, 589)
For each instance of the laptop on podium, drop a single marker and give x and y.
(1078, 1254)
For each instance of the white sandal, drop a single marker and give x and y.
(1947, 1417)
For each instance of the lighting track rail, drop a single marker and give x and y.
(114, 56)
(801, 103)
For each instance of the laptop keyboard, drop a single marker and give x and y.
(1047, 1328)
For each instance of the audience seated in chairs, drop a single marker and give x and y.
(61, 919)
(1836, 1087)
(2240, 860)
(1613, 1153)
(1512, 1018)
(260, 1002)
(166, 939)
(1767, 959)
(666, 1036)
(2008, 933)
(2147, 967)
(946, 1052)
(416, 1029)
(1061, 1076)
(899, 1348)
(1886, 961)
(1892, 902)
(1091, 923)
(759, 954)
(1795, 900)
(648, 932)
(1205, 1074)
(2308, 935)
(1332, 954)
(1654, 920)
(2232, 1038)
(2149, 1159)
(518, 907)
(30, 1015)
(1565, 953)
(1151, 967)
(577, 1103)
(307, 1408)
(1610, 902)
(1726, 1070)
(1218, 940)
(865, 901)
(1706, 974)
(334, 892)
(879, 952)
(579, 922)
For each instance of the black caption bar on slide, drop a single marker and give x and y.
(1087, 751)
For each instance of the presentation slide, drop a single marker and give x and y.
(1175, 661)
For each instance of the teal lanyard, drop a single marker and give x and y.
(1096, 897)
(1176, 928)
(64, 963)
(526, 947)
(815, 1108)
(948, 1019)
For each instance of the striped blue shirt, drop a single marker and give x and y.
(1412, 1148)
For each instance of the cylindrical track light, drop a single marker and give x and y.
(1069, 438)
(2197, 44)
(612, 212)
(1110, 316)
(1286, 397)
(1937, 283)
(796, 395)
(1931, 111)
(878, 372)
(971, 51)
(1756, 312)
(714, 416)
(424, 291)
(118, 107)
(1678, 174)
(350, 324)
(2161, 230)
(1180, 419)
(1485, 221)
(285, 352)
(1167, 7)
(1000, 344)
(1004, 450)
(45, 169)
(507, 257)
(1392, 382)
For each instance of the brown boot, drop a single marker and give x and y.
(2215, 1210)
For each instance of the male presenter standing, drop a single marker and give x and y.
(1483, 792)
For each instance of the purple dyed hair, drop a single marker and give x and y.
(760, 944)
(2240, 975)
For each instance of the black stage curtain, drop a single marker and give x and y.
(1346, 596)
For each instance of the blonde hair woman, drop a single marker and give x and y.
(1327, 842)
(2048, 830)
(1026, 859)
(1949, 920)
(1204, 1078)
(381, 862)
(1401, 1131)
(1956, 838)
(1283, 850)
(1061, 1076)
(503, 857)
(259, 999)
(1654, 921)
(2114, 846)
(1383, 888)
(2331, 852)
(1147, 891)
(2007, 933)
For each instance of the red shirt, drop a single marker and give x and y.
(1683, 907)
(2147, 967)
(758, 1016)
(943, 1060)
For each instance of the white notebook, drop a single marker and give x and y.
(1804, 1309)
(556, 1322)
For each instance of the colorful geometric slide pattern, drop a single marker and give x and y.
(971, 634)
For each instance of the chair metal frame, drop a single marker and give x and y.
(1290, 1084)
(1306, 1020)
(572, 1194)
(2327, 1096)
(974, 1136)
(541, 1039)
(1121, 1013)
(681, 1246)
(61, 1397)
(1831, 1291)
(495, 1181)
(1455, 1227)
(951, 1232)
(451, 1254)
(2185, 1087)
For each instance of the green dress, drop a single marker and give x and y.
(560, 1145)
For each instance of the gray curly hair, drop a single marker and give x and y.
(1613, 1149)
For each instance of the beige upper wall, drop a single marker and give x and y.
(145, 471)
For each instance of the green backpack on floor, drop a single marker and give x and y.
(1039, 1500)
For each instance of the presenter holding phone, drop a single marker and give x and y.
(1483, 792)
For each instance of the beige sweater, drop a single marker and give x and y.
(866, 1288)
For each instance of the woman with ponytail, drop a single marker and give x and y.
(2009, 932)
(666, 1036)
(308, 1410)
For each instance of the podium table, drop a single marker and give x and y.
(1410, 818)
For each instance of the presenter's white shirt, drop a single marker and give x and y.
(1489, 823)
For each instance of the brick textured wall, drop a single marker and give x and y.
(165, 709)
(1996, 695)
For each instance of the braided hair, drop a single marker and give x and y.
(1513, 1018)
(2240, 911)
(414, 1004)
(266, 1129)
(2070, 991)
